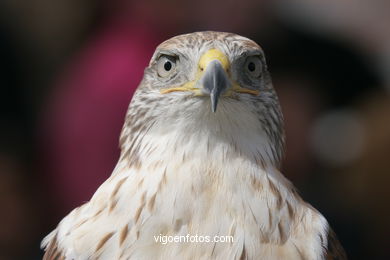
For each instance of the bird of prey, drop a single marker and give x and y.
(201, 147)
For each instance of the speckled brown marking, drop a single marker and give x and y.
(136, 127)
(163, 180)
(113, 204)
(243, 254)
(103, 241)
(178, 224)
(264, 238)
(118, 186)
(273, 188)
(123, 234)
(256, 184)
(150, 150)
(52, 251)
(282, 233)
(164, 177)
(56, 256)
(143, 196)
(134, 161)
(137, 234)
(98, 212)
(80, 223)
(136, 164)
(139, 185)
(138, 213)
(151, 202)
(130, 141)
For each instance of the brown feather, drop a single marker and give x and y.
(53, 252)
(334, 251)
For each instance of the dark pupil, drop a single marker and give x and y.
(167, 65)
(251, 66)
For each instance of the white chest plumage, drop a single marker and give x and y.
(199, 187)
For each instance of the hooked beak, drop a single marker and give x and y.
(215, 82)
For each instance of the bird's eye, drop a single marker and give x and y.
(253, 66)
(166, 65)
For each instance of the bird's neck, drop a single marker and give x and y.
(209, 139)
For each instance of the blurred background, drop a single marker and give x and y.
(68, 69)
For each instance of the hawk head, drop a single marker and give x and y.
(208, 83)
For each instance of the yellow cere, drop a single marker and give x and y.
(214, 54)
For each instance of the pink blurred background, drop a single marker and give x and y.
(69, 69)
